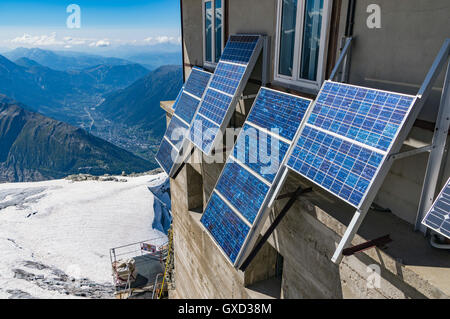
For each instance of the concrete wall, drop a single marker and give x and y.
(398, 55)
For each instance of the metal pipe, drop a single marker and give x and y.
(350, 18)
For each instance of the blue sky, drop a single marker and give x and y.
(108, 23)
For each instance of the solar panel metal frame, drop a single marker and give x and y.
(439, 197)
(243, 82)
(184, 149)
(387, 154)
(261, 216)
(380, 174)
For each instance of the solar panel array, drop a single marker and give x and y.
(347, 137)
(220, 96)
(185, 107)
(237, 204)
(438, 218)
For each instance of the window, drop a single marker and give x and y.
(301, 42)
(213, 34)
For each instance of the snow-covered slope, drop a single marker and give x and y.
(55, 233)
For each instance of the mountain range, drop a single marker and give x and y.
(63, 60)
(63, 94)
(72, 60)
(34, 147)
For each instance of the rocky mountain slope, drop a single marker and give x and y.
(34, 147)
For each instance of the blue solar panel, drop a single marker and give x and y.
(258, 150)
(176, 132)
(227, 77)
(166, 155)
(438, 218)
(242, 189)
(276, 111)
(228, 230)
(347, 137)
(248, 177)
(185, 107)
(239, 49)
(220, 97)
(197, 82)
(215, 106)
(368, 116)
(202, 133)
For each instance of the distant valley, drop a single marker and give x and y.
(116, 100)
(34, 147)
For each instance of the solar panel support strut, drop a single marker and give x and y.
(293, 197)
(438, 146)
(343, 61)
(184, 163)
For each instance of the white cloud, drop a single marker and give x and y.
(162, 40)
(42, 40)
(100, 43)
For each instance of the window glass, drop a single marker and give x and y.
(208, 31)
(287, 37)
(218, 29)
(311, 39)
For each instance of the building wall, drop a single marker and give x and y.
(395, 57)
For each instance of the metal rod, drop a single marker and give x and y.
(436, 155)
(379, 242)
(272, 227)
(184, 163)
(435, 69)
(344, 53)
(416, 151)
(350, 232)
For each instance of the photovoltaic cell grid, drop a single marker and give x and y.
(259, 151)
(166, 155)
(246, 180)
(438, 218)
(348, 135)
(227, 77)
(185, 107)
(197, 83)
(239, 49)
(222, 89)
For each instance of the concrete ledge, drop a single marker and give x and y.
(167, 106)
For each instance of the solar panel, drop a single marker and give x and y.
(347, 137)
(227, 83)
(185, 106)
(438, 218)
(237, 207)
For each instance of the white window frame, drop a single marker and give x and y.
(213, 40)
(295, 80)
